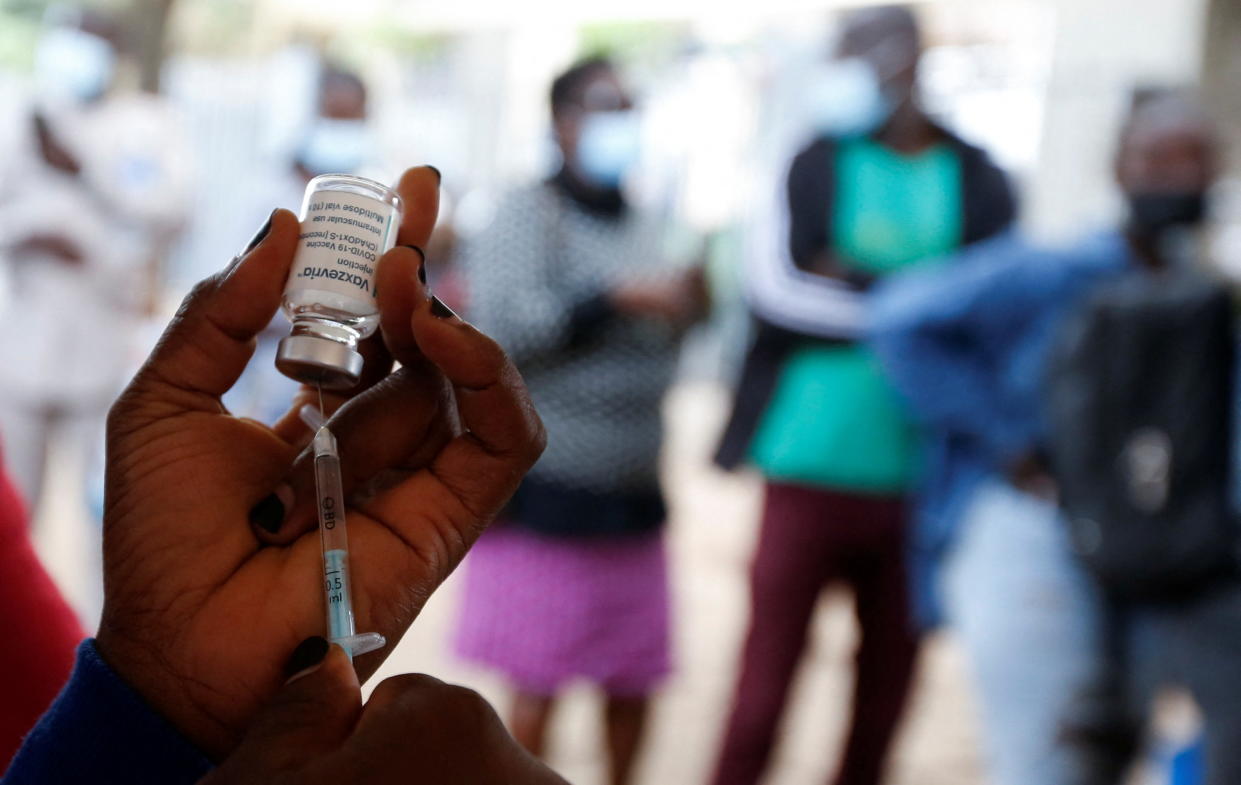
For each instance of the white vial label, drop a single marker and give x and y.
(343, 236)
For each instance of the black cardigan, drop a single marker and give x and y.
(987, 207)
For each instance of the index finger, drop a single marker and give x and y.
(419, 189)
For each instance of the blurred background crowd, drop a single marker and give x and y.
(786, 280)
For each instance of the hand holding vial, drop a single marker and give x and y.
(199, 615)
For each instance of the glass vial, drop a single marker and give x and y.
(348, 222)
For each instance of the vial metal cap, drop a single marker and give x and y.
(321, 361)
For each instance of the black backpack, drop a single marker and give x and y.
(1139, 408)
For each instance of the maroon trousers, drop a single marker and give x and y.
(810, 538)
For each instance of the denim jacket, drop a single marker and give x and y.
(966, 345)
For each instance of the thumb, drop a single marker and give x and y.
(311, 715)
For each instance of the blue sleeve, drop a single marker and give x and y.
(940, 332)
(99, 730)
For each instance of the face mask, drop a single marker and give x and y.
(74, 64)
(334, 145)
(845, 99)
(609, 146)
(1157, 212)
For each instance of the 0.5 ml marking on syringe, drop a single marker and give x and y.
(334, 540)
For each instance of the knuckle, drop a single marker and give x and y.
(535, 441)
(204, 288)
(407, 694)
(115, 421)
(300, 707)
(469, 702)
(538, 436)
(418, 697)
(470, 711)
(131, 410)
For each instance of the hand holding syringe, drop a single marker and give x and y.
(335, 541)
(181, 575)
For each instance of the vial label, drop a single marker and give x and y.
(343, 236)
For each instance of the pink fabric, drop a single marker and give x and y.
(544, 611)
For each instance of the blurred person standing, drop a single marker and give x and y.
(339, 138)
(969, 348)
(572, 583)
(882, 189)
(92, 197)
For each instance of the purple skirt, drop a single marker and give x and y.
(544, 611)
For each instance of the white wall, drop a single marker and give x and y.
(1103, 48)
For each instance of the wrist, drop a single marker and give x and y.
(100, 729)
(169, 693)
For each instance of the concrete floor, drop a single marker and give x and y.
(710, 536)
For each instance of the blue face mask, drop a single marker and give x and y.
(335, 146)
(844, 98)
(72, 63)
(609, 146)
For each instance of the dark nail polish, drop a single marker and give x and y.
(268, 514)
(439, 310)
(438, 177)
(308, 653)
(262, 232)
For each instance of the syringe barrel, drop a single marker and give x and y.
(331, 504)
(337, 590)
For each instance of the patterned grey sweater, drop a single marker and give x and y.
(536, 277)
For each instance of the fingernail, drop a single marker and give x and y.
(422, 265)
(268, 514)
(306, 658)
(438, 177)
(262, 232)
(441, 311)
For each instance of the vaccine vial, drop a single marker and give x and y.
(348, 222)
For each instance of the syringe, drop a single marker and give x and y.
(335, 542)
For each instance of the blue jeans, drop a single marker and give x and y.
(1029, 619)
(1195, 643)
